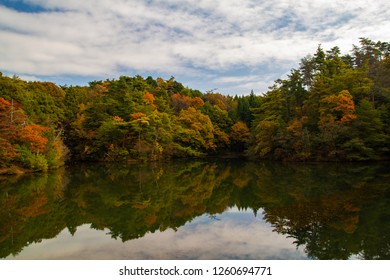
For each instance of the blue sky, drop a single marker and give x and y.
(232, 46)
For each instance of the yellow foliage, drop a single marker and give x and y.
(339, 108)
(240, 132)
(117, 119)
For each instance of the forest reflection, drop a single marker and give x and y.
(333, 211)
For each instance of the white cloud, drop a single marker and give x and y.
(237, 79)
(180, 38)
(29, 78)
(247, 83)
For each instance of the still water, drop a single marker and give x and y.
(214, 209)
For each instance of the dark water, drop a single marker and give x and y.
(215, 209)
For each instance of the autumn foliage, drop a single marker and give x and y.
(24, 143)
(31, 135)
(338, 108)
(333, 107)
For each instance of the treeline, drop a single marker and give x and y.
(131, 118)
(332, 108)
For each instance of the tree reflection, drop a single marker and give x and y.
(337, 217)
(30, 210)
(334, 211)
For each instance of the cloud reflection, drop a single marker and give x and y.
(231, 235)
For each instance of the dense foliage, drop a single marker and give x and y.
(332, 108)
(31, 116)
(130, 118)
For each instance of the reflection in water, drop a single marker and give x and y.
(231, 237)
(198, 210)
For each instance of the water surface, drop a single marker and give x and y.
(214, 209)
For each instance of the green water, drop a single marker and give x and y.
(214, 209)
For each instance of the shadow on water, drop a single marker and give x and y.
(332, 211)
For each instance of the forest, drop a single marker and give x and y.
(333, 107)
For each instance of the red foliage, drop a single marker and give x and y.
(31, 135)
(149, 97)
(4, 104)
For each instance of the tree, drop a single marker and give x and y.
(197, 130)
(139, 121)
(31, 135)
(240, 135)
(265, 138)
(338, 108)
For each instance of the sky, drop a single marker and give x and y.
(226, 46)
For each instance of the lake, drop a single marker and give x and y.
(198, 209)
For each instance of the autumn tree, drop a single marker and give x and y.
(195, 130)
(240, 135)
(339, 108)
